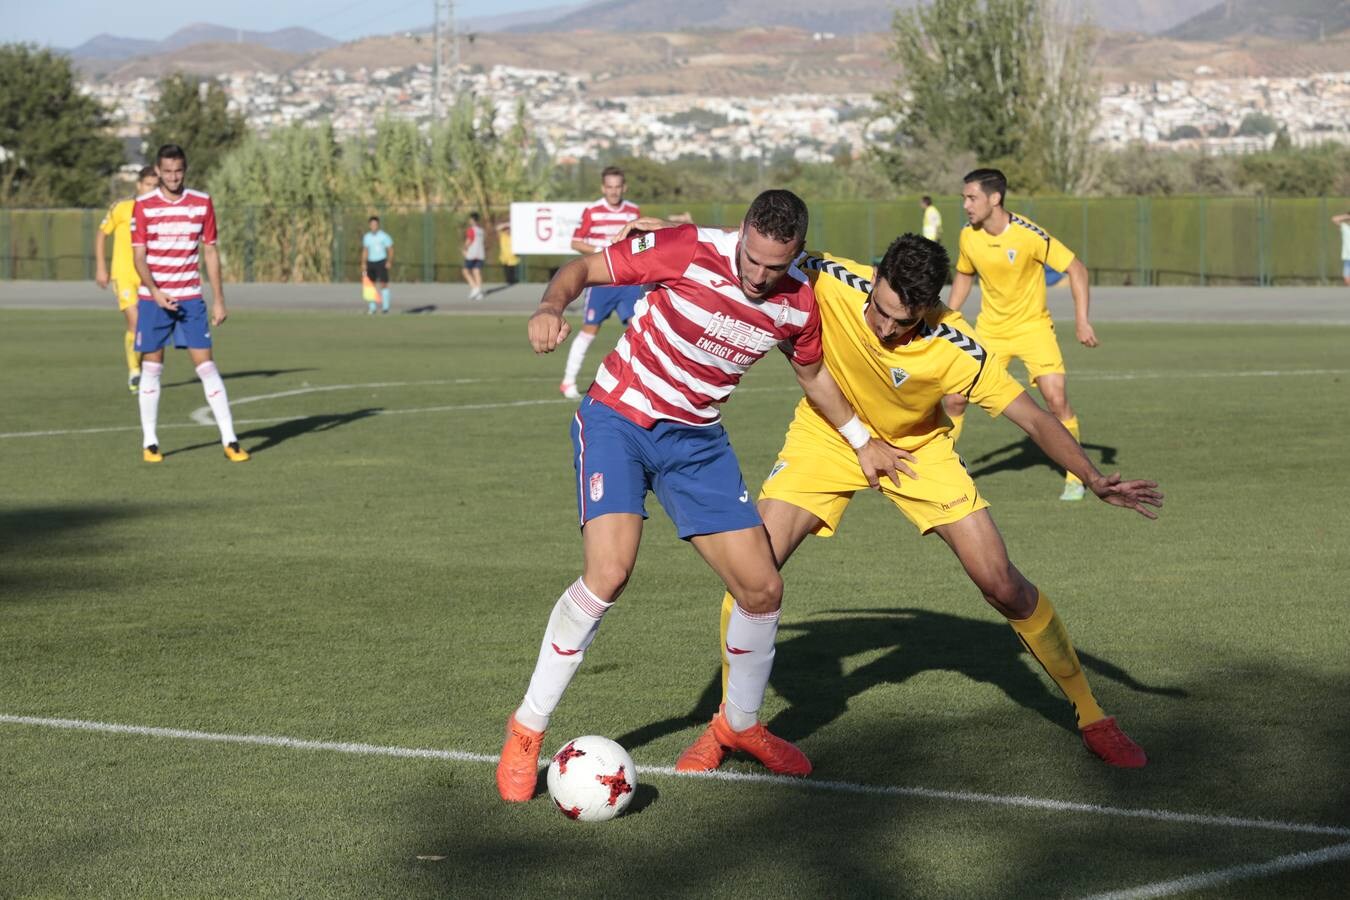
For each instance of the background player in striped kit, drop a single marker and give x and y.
(168, 226)
(599, 223)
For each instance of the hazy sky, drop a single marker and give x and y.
(68, 23)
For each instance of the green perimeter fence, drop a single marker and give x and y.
(1122, 240)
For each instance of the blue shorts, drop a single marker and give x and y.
(1345, 268)
(602, 302)
(692, 469)
(471, 264)
(188, 326)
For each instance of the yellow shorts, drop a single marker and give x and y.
(818, 472)
(1034, 344)
(126, 293)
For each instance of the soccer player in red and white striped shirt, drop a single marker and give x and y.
(599, 224)
(168, 226)
(651, 423)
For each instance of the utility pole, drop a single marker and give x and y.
(447, 43)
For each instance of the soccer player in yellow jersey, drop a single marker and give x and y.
(125, 282)
(1009, 253)
(896, 351)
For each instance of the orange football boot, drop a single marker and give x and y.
(518, 766)
(778, 756)
(1105, 739)
(703, 755)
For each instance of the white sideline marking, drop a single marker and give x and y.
(201, 417)
(1159, 815)
(1289, 863)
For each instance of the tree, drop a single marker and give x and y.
(55, 148)
(1003, 79)
(195, 114)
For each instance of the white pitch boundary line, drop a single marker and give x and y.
(1280, 864)
(845, 787)
(201, 417)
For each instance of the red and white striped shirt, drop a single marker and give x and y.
(170, 230)
(600, 222)
(697, 333)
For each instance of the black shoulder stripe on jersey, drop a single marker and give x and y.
(1027, 225)
(964, 342)
(832, 268)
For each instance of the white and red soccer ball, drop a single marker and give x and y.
(592, 779)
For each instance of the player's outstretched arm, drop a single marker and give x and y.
(1078, 286)
(1054, 439)
(547, 328)
(643, 224)
(875, 457)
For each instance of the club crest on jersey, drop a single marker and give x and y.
(898, 377)
(777, 467)
(1012, 255)
(597, 486)
(642, 242)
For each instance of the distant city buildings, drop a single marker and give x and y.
(573, 124)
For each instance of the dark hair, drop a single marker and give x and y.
(372, 219)
(780, 215)
(171, 151)
(927, 200)
(991, 181)
(145, 172)
(611, 170)
(917, 269)
(473, 217)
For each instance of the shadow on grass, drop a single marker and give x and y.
(1024, 454)
(260, 440)
(38, 535)
(810, 673)
(247, 373)
(1213, 755)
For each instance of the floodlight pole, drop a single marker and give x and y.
(446, 39)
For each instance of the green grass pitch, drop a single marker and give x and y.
(381, 571)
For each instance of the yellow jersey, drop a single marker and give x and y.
(1011, 266)
(897, 390)
(118, 224)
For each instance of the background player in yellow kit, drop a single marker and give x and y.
(895, 351)
(125, 282)
(1009, 253)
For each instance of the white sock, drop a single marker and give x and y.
(581, 342)
(750, 638)
(213, 386)
(571, 628)
(149, 399)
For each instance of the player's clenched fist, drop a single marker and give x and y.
(548, 329)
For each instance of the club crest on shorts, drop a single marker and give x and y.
(597, 486)
(898, 377)
(642, 242)
(1012, 255)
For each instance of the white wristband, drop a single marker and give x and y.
(855, 432)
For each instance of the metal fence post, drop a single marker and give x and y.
(250, 231)
(48, 259)
(1322, 219)
(6, 251)
(1261, 241)
(336, 219)
(87, 242)
(1140, 225)
(428, 246)
(1204, 239)
(871, 230)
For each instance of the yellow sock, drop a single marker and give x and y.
(133, 358)
(1045, 636)
(728, 603)
(1071, 425)
(958, 422)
